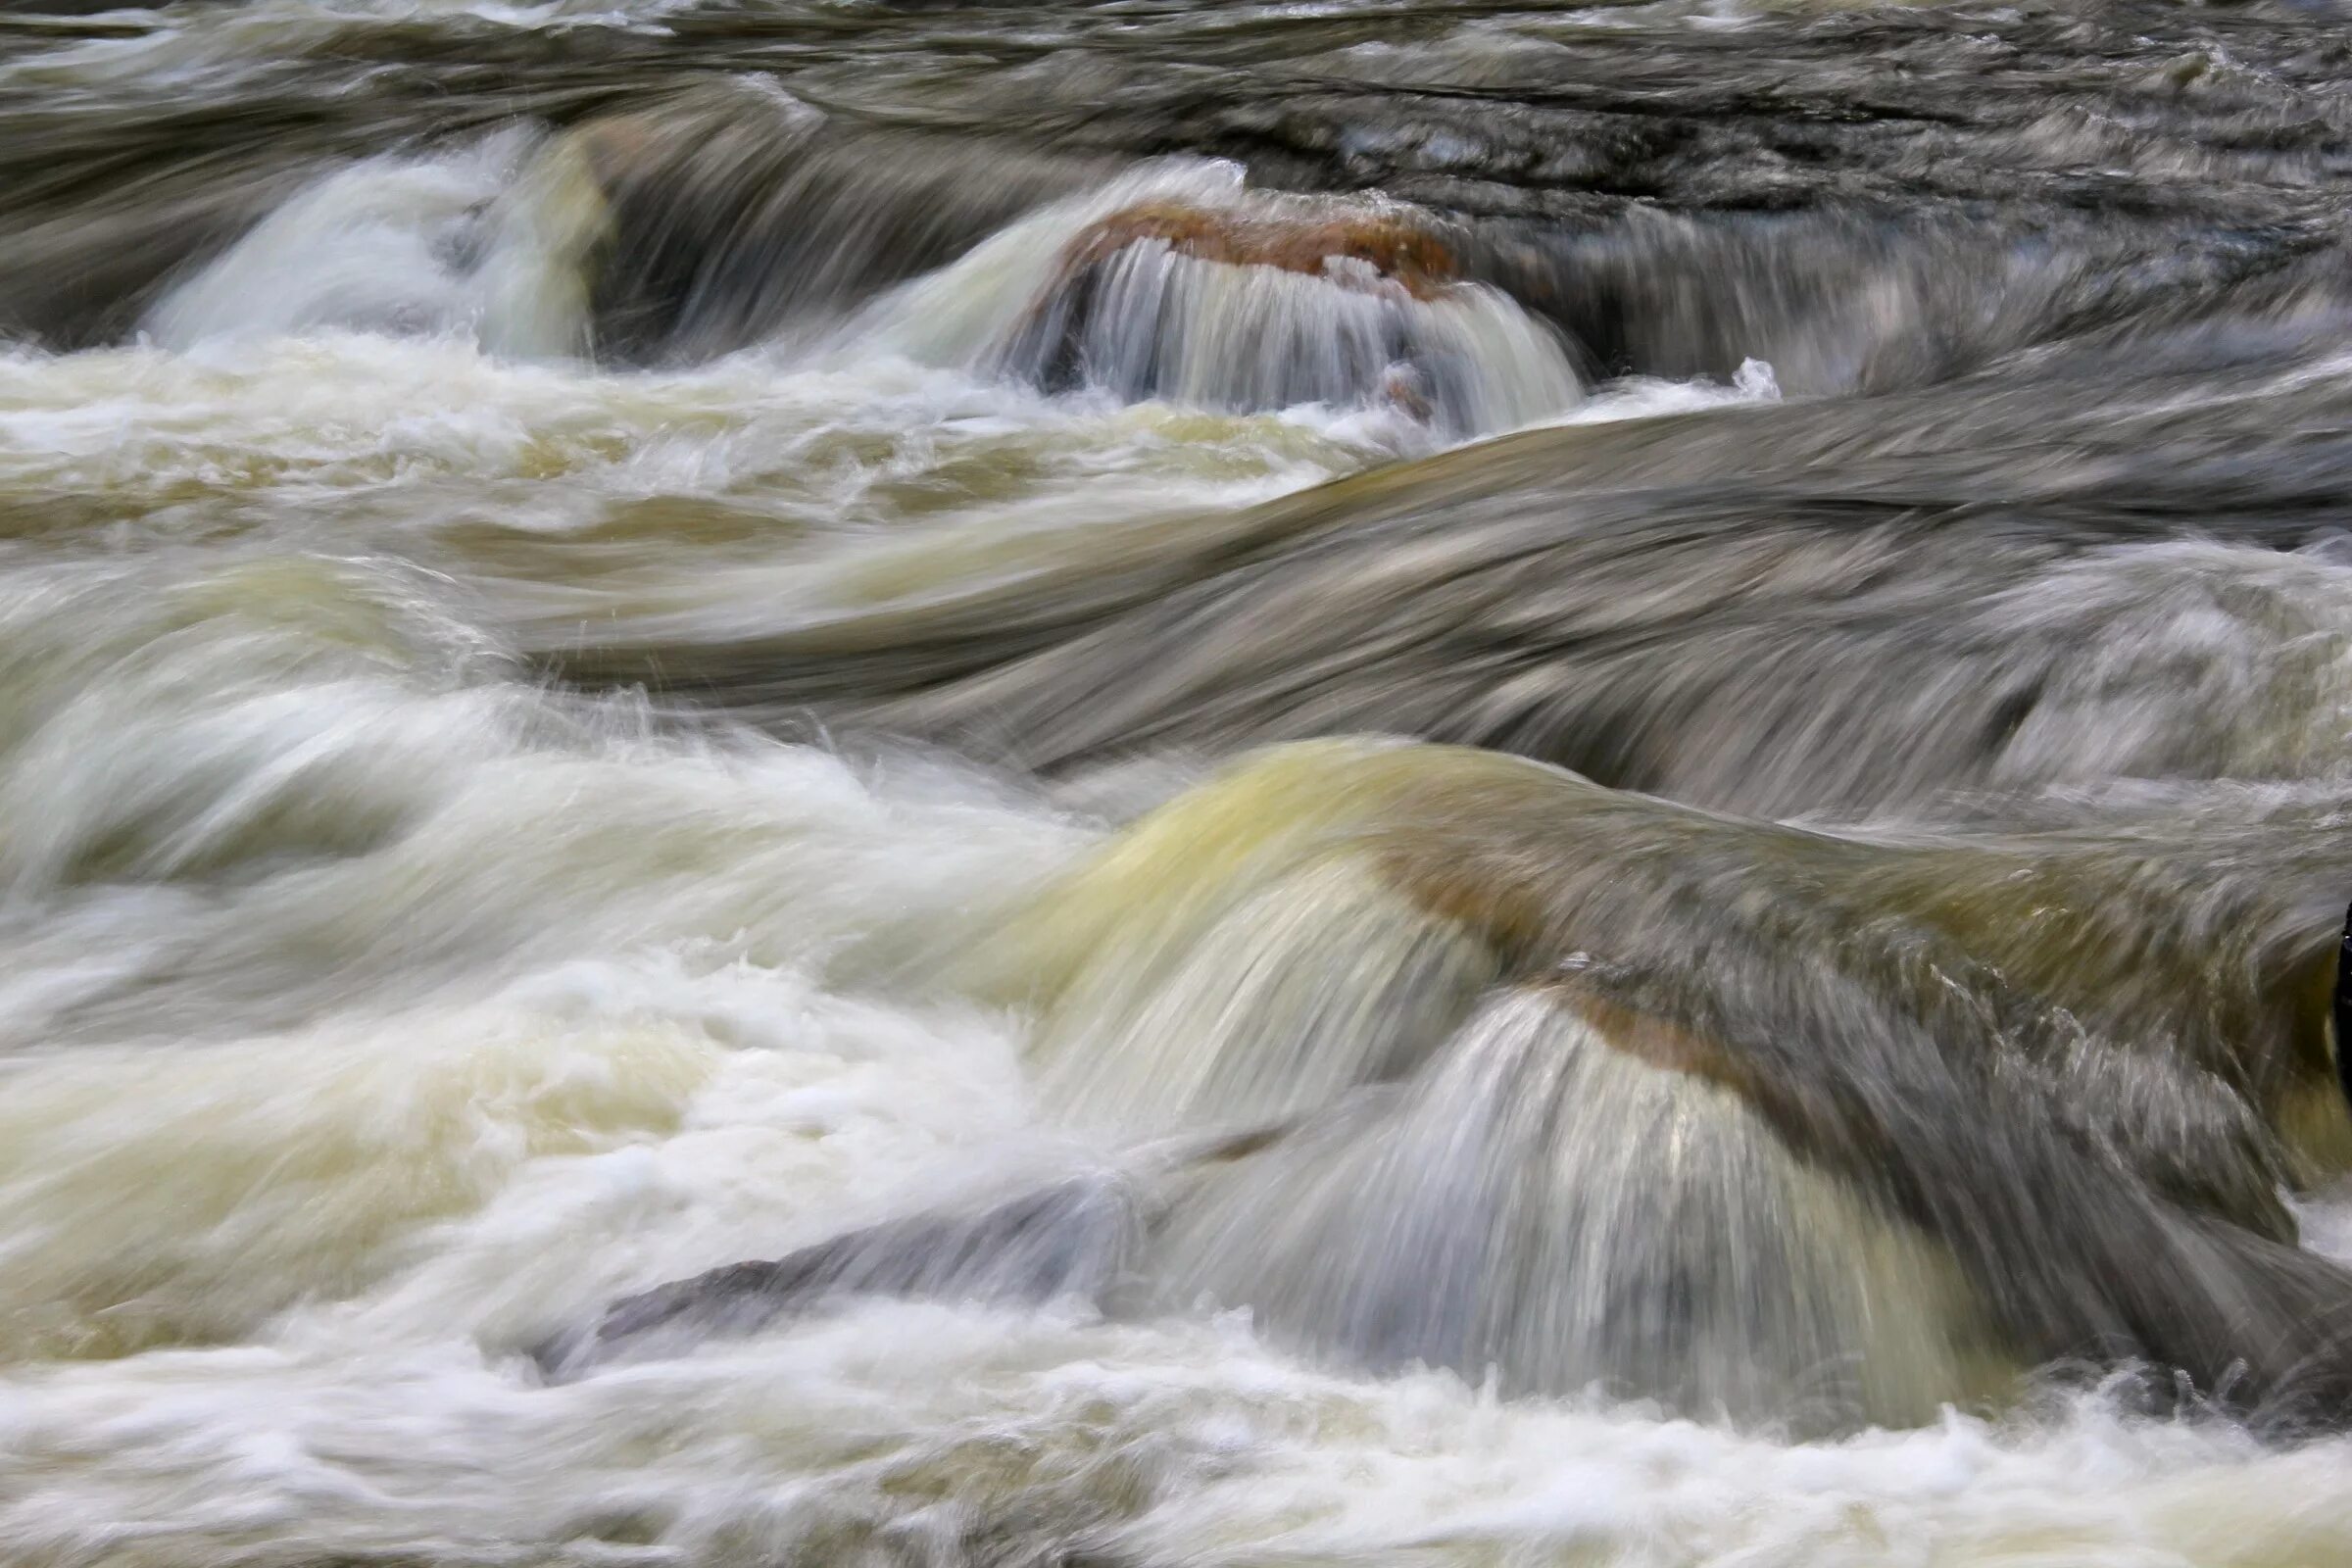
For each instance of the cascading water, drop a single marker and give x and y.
(481, 242)
(823, 783)
(1184, 286)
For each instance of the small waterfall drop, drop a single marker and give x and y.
(1173, 282)
(1179, 283)
(492, 239)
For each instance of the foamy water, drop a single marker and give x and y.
(373, 1013)
(373, 1007)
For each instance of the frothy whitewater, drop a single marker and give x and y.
(1642, 894)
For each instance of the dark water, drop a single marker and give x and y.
(1165, 782)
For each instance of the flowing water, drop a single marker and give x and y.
(1167, 782)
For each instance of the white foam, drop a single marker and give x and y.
(489, 241)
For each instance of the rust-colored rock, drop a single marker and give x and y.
(1393, 244)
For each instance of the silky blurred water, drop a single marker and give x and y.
(523, 780)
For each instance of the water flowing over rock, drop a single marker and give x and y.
(841, 782)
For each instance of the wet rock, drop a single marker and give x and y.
(1396, 246)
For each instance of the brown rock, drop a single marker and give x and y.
(1393, 244)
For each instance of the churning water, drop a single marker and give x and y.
(1174, 783)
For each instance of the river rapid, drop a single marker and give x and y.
(1362, 783)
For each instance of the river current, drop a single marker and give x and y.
(1167, 783)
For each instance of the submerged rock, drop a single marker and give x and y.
(1575, 1086)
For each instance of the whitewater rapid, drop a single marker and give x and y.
(421, 926)
(372, 1010)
